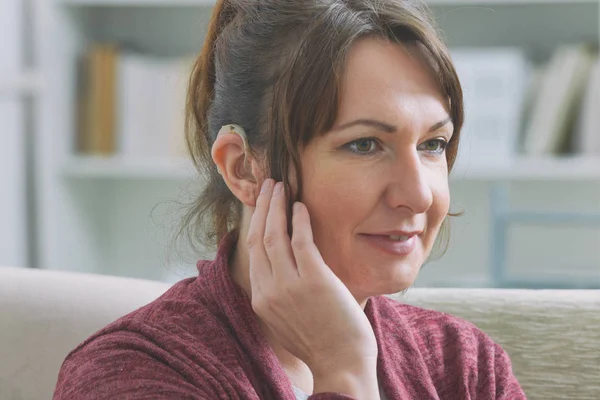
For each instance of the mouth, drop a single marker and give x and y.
(395, 243)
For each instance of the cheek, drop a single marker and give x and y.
(440, 206)
(335, 203)
(444, 194)
(331, 202)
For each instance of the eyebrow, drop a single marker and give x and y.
(385, 127)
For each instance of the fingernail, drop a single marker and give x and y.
(296, 208)
(278, 187)
(265, 186)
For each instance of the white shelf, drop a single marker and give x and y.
(181, 3)
(567, 168)
(142, 3)
(576, 168)
(27, 82)
(87, 167)
(506, 2)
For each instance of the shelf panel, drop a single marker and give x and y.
(93, 167)
(506, 2)
(140, 3)
(542, 169)
(186, 3)
(577, 168)
(27, 82)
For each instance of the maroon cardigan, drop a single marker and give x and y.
(201, 340)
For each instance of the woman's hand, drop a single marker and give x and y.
(306, 306)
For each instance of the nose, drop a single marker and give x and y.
(409, 185)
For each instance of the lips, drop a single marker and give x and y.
(394, 243)
(398, 233)
(399, 237)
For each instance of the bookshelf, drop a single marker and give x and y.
(112, 215)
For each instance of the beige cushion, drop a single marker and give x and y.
(551, 336)
(45, 314)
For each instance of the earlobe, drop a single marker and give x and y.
(236, 165)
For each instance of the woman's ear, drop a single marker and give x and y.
(237, 166)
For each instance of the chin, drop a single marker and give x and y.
(397, 283)
(396, 278)
(401, 283)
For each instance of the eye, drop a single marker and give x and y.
(363, 146)
(434, 146)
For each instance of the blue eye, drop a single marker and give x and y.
(434, 146)
(363, 146)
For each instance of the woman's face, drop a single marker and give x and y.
(376, 185)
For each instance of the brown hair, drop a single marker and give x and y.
(274, 67)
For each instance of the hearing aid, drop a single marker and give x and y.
(238, 130)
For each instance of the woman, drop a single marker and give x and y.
(326, 130)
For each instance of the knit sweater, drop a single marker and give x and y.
(201, 340)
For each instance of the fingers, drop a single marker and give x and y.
(260, 267)
(276, 240)
(307, 255)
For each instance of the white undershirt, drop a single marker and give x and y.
(300, 395)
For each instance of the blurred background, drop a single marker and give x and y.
(93, 169)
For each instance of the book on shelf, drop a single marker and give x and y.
(133, 104)
(494, 82)
(587, 132)
(534, 83)
(96, 111)
(151, 105)
(558, 100)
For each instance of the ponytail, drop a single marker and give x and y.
(202, 84)
(213, 212)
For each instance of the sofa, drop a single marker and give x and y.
(552, 336)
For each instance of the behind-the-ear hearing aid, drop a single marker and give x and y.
(232, 128)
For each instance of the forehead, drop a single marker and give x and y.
(387, 78)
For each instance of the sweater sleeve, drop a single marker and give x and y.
(507, 386)
(109, 369)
